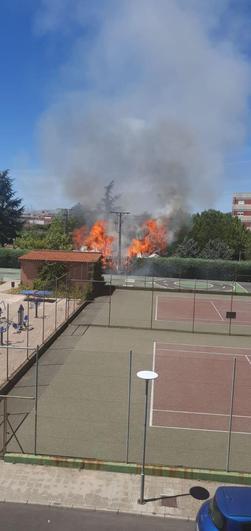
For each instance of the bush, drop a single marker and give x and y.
(197, 268)
(48, 274)
(9, 257)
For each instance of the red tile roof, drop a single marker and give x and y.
(62, 256)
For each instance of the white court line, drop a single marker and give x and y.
(240, 300)
(156, 307)
(247, 358)
(192, 346)
(201, 429)
(216, 309)
(198, 319)
(203, 413)
(232, 354)
(152, 388)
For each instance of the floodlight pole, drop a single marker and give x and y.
(120, 214)
(147, 376)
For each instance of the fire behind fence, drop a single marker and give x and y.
(93, 407)
(168, 304)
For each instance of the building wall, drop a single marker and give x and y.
(77, 272)
(29, 271)
(241, 208)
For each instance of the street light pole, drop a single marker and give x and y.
(147, 376)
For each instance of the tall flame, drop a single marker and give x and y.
(96, 240)
(154, 239)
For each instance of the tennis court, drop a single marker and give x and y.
(212, 309)
(202, 388)
(200, 405)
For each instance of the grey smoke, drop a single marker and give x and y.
(155, 102)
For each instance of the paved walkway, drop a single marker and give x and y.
(96, 490)
(22, 344)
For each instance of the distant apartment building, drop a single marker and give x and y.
(37, 218)
(241, 208)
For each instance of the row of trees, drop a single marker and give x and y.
(210, 235)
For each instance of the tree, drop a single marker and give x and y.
(187, 249)
(217, 249)
(108, 202)
(213, 225)
(56, 237)
(49, 272)
(11, 210)
(31, 238)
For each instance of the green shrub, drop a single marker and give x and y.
(9, 257)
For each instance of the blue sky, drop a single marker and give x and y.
(104, 90)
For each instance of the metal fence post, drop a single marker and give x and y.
(110, 303)
(194, 298)
(231, 415)
(56, 301)
(36, 402)
(231, 309)
(43, 318)
(65, 313)
(5, 425)
(7, 350)
(152, 303)
(27, 328)
(129, 405)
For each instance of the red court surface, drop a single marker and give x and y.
(210, 309)
(195, 389)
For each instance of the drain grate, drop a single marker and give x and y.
(169, 502)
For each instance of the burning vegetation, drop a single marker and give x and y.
(97, 239)
(153, 239)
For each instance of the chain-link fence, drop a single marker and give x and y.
(31, 318)
(199, 412)
(152, 304)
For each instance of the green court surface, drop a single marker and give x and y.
(210, 285)
(9, 273)
(83, 386)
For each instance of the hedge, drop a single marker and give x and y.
(175, 267)
(9, 257)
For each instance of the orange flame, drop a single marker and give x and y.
(154, 239)
(96, 240)
(79, 236)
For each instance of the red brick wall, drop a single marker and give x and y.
(77, 271)
(29, 271)
(246, 201)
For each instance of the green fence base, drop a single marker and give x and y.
(131, 468)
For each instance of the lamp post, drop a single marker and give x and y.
(147, 376)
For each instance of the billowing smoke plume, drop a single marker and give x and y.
(154, 99)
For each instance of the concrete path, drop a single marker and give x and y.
(96, 490)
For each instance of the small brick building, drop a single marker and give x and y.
(79, 265)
